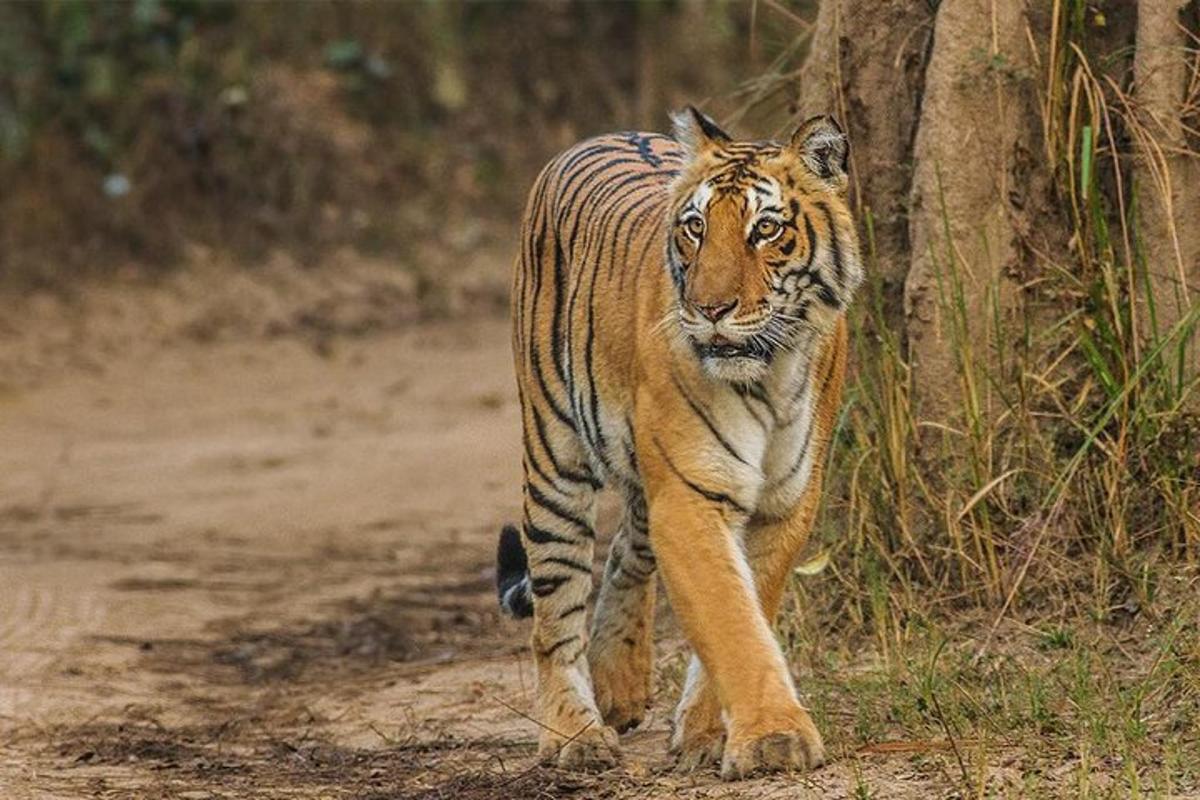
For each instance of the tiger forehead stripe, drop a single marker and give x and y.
(739, 163)
(764, 195)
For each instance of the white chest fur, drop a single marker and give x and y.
(788, 455)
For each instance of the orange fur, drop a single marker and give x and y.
(679, 335)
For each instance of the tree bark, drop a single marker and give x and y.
(867, 68)
(950, 166)
(1167, 179)
(979, 110)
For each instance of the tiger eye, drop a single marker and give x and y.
(695, 226)
(766, 228)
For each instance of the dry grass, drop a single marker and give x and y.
(1025, 580)
(1072, 473)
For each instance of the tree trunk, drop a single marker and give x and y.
(947, 109)
(867, 68)
(1167, 179)
(978, 113)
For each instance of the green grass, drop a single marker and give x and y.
(1075, 709)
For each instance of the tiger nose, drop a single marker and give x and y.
(714, 311)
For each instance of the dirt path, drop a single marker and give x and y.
(258, 571)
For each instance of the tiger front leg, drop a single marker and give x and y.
(711, 588)
(771, 548)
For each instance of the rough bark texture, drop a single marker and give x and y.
(979, 113)
(867, 67)
(1167, 181)
(941, 103)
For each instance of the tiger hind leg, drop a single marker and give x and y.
(621, 652)
(558, 539)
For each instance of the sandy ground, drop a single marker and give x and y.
(264, 569)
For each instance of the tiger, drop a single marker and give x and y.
(679, 336)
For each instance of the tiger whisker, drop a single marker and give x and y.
(662, 323)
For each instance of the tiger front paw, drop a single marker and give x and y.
(699, 751)
(777, 745)
(698, 738)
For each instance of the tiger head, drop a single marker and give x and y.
(762, 246)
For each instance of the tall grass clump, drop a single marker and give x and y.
(1007, 594)
(1070, 477)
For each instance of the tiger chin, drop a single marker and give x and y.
(679, 336)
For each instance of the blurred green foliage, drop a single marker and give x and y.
(132, 130)
(73, 63)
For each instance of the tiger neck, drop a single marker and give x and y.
(791, 372)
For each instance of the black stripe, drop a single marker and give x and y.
(803, 453)
(538, 535)
(600, 170)
(834, 245)
(708, 494)
(554, 508)
(637, 514)
(708, 423)
(570, 563)
(825, 292)
(531, 460)
(585, 152)
(828, 379)
(556, 342)
(812, 425)
(575, 169)
(575, 609)
(549, 651)
(747, 393)
(642, 143)
(536, 369)
(570, 475)
(627, 578)
(589, 370)
(811, 236)
(643, 551)
(656, 213)
(643, 207)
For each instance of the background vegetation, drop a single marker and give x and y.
(1008, 556)
(133, 133)
(1016, 506)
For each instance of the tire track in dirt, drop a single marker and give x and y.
(242, 532)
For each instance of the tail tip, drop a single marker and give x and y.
(512, 574)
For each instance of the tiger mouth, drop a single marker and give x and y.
(720, 347)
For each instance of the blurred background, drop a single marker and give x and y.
(143, 136)
(258, 427)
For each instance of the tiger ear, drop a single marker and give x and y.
(696, 131)
(823, 146)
